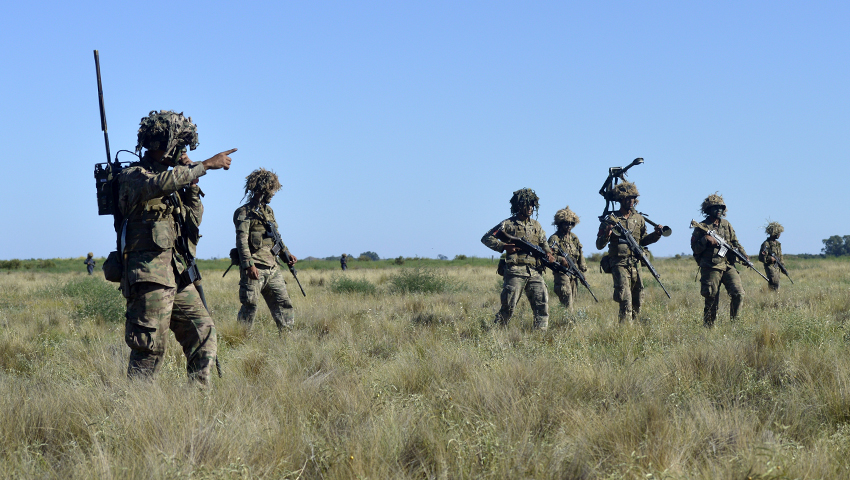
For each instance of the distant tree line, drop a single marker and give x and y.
(836, 246)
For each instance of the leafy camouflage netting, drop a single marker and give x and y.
(523, 198)
(565, 215)
(623, 190)
(261, 185)
(710, 201)
(166, 130)
(774, 228)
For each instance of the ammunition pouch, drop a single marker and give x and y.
(500, 269)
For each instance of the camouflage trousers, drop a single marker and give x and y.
(566, 287)
(272, 288)
(710, 282)
(152, 309)
(628, 291)
(523, 278)
(772, 273)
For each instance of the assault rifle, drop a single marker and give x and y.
(575, 272)
(281, 253)
(531, 249)
(781, 267)
(636, 249)
(725, 247)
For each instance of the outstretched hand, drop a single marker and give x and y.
(219, 160)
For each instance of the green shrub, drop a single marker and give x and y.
(352, 285)
(97, 299)
(420, 280)
(460, 257)
(13, 264)
(399, 260)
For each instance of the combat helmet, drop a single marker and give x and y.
(92, 254)
(261, 185)
(712, 200)
(622, 191)
(167, 130)
(565, 215)
(524, 197)
(773, 229)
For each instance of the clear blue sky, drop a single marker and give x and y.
(403, 127)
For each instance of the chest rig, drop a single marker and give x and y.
(153, 226)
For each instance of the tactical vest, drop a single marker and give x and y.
(258, 236)
(151, 228)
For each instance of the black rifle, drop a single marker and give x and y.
(575, 272)
(725, 247)
(636, 249)
(781, 266)
(531, 249)
(281, 253)
(192, 274)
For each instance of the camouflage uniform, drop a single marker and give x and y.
(716, 270)
(254, 243)
(157, 297)
(566, 286)
(771, 247)
(90, 263)
(343, 262)
(625, 266)
(522, 271)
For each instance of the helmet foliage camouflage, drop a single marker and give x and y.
(774, 228)
(166, 130)
(524, 197)
(261, 185)
(622, 191)
(92, 254)
(565, 215)
(711, 201)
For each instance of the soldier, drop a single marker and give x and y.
(259, 273)
(715, 269)
(90, 263)
(625, 266)
(769, 249)
(159, 296)
(343, 262)
(564, 240)
(522, 271)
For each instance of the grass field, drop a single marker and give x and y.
(396, 373)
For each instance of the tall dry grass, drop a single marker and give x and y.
(378, 382)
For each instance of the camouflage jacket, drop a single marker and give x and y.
(618, 249)
(769, 247)
(529, 229)
(706, 254)
(253, 242)
(571, 246)
(150, 230)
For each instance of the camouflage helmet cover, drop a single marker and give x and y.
(623, 190)
(261, 184)
(711, 201)
(524, 197)
(774, 228)
(91, 254)
(166, 130)
(565, 215)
